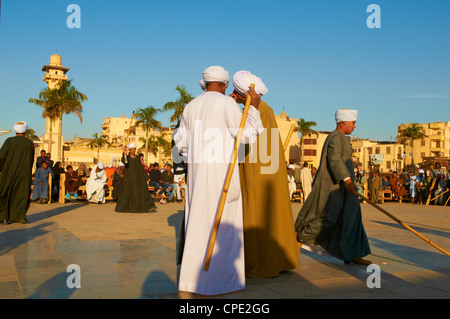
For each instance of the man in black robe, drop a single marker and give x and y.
(331, 215)
(135, 197)
(16, 162)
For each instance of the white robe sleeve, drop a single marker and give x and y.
(253, 124)
(180, 137)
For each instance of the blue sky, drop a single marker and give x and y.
(314, 56)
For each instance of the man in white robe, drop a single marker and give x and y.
(306, 181)
(205, 139)
(95, 184)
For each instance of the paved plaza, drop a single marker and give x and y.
(133, 256)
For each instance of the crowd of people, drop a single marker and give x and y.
(165, 184)
(422, 186)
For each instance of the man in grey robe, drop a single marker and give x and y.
(331, 216)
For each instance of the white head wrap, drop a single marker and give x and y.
(421, 171)
(243, 79)
(216, 74)
(20, 127)
(346, 115)
(131, 145)
(202, 85)
(101, 165)
(291, 166)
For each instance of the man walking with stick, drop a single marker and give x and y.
(205, 139)
(331, 216)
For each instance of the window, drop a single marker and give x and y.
(388, 150)
(388, 164)
(422, 143)
(309, 152)
(377, 150)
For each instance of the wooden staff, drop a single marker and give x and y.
(286, 143)
(440, 194)
(129, 128)
(223, 196)
(429, 195)
(403, 224)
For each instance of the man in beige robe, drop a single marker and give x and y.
(269, 234)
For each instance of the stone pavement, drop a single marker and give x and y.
(133, 256)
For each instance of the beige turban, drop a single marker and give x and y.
(216, 74)
(344, 115)
(20, 127)
(132, 145)
(242, 81)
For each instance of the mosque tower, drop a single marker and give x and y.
(55, 74)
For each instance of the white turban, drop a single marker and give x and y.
(101, 165)
(132, 145)
(291, 166)
(202, 85)
(243, 79)
(216, 74)
(20, 127)
(421, 171)
(346, 115)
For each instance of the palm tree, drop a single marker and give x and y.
(50, 111)
(179, 104)
(304, 127)
(31, 135)
(64, 99)
(157, 143)
(99, 142)
(413, 132)
(146, 118)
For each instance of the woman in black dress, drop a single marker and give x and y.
(135, 197)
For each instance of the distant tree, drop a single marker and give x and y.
(304, 127)
(412, 133)
(64, 99)
(98, 142)
(146, 118)
(179, 104)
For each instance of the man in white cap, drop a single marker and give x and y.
(95, 184)
(16, 162)
(269, 234)
(331, 216)
(205, 141)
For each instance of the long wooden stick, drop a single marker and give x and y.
(224, 194)
(403, 224)
(440, 194)
(429, 195)
(129, 128)
(286, 143)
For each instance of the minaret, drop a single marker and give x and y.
(55, 74)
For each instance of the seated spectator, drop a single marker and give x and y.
(83, 175)
(385, 183)
(155, 178)
(167, 184)
(72, 183)
(440, 189)
(41, 159)
(40, 185)
(117, 182)
(179, 181)
(397, 186)
(57, 170)
(95, 185)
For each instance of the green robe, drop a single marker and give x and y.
(269, 235)
(331, 217)
(16, 162)
(135, 197)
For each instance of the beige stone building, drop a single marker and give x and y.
(285, 126)
(434, 147)
(387, 155)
